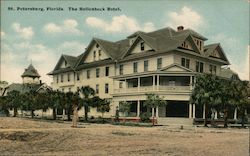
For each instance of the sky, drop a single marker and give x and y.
(41, 36)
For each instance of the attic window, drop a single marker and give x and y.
(94, 55)
(142, 46)
(97, 45)
(99, 53)
(65, 63)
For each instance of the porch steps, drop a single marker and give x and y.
(175, 121)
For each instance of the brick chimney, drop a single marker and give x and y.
(180, 28)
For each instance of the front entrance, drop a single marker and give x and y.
(177, 109)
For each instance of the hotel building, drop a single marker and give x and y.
(164, 62)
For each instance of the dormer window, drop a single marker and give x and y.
(94, 55)
(99, 53)
(142, 46)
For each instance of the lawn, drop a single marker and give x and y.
(28, 137)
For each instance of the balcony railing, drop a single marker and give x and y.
(153, 88)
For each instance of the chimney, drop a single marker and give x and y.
(180, 28)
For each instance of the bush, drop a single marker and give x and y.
(145, 117)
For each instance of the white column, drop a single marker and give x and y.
(190, 111)
(235, 113)
(125, 85)
(63, 113)
(138, 108)
(204, 111)
(157, 112)
(216, 115)
(190, 82)
(153, 82)
(138, 85)
(153, 112)
(158, 81)
(193, 110)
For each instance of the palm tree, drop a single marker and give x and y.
(206, 92)
(153, 101)
(87, 93)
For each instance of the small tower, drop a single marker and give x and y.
(30, 75)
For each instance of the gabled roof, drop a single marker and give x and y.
(208, 49)
(23, 88)
(30, 72)
(176, 66)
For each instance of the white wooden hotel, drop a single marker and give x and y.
(164, 62)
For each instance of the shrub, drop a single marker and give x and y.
(145, 117)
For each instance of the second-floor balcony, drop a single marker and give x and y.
(155, 83)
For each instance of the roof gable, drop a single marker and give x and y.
(215, 51)
(176, 68)
(30, 72)
(149, 42)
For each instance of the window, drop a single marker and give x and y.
(212, 69)
(77, 76)
(62, 89)
(99, 54)
(171, 83)
(135, 67)
(97, 72)
(185, 62)
(61, 77)
(65, 63)
(97, 89)
(107, 71)
(106, 88)
(97, 45)
(88, 74)
(69, 89)
(142, 46)
(94, 55)
(200, 45)
(78, 89)
(68, 77)
(120, 85)
(57, 78)
(146, 65)
(159, 63)
(199, 67)
(121, 69)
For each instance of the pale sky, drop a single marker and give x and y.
(42, 36)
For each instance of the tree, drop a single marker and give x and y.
(13, 99)
(240, 97)
(153, 101)
(103, 106)
(76, 105)
(87, 93)
(207, 92)
(31, 102)
(4, 105)
(124, 107)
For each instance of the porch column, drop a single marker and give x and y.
(153, 112)
(190, 83)
(63, 114)
(138, 85)
(204, 111)
(125, 86)
(235, 114)
(190, 111)
(138, 108)
(193, 110)
(216, 115)
(158, 81)
(157, 112)
(153, 82)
